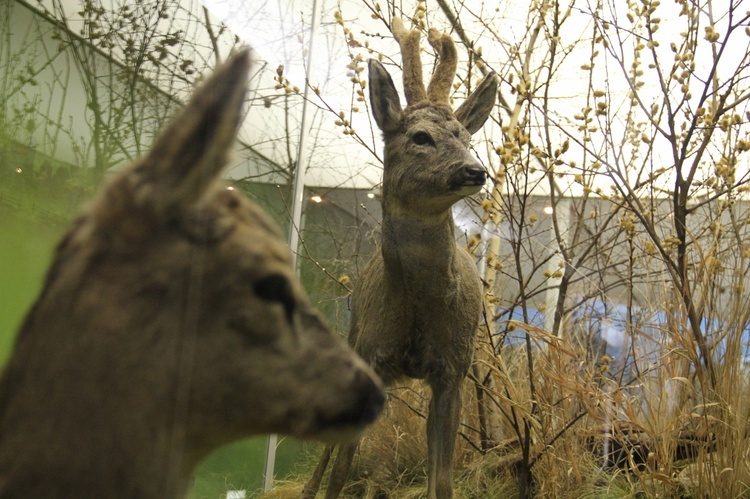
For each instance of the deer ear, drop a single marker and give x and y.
(195, 147)
(477, 107)
(386, 106)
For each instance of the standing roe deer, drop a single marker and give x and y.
(171, 323)
(416, 307)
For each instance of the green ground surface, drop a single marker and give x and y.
(239, 467)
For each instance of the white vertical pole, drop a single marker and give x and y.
(302, 160)
(271, 442)
(297, 203)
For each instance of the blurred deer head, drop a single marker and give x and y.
(171, 322)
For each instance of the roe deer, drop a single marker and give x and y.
(417, 304)
(171, 322)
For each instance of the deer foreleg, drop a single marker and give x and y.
(442, 426)
(340, 471)
(313, 484)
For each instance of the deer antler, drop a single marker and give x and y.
(409, 43)
(438, 90)
(440, 85)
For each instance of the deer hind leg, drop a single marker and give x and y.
(340, 471)
(442, 427)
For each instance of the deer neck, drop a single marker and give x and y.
(92, 463)
(418, 248)
(108, 437)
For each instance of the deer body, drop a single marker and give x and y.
(419, 266)
(415, 315)
(171, 323)
(416, 307)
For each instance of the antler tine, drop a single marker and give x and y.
(440, 85)
(409, 43)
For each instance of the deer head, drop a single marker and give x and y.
(171, 322)
(428, 166)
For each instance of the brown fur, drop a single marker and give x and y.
(416, 307)
(171, 322)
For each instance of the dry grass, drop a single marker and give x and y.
(567, 458)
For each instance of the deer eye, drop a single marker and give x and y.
(276, 288)
(422, 139)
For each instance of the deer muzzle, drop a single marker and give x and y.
(470, 177)
(345, 424)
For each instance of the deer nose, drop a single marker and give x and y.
(366, 404)
(469, 175)
(475, 175)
